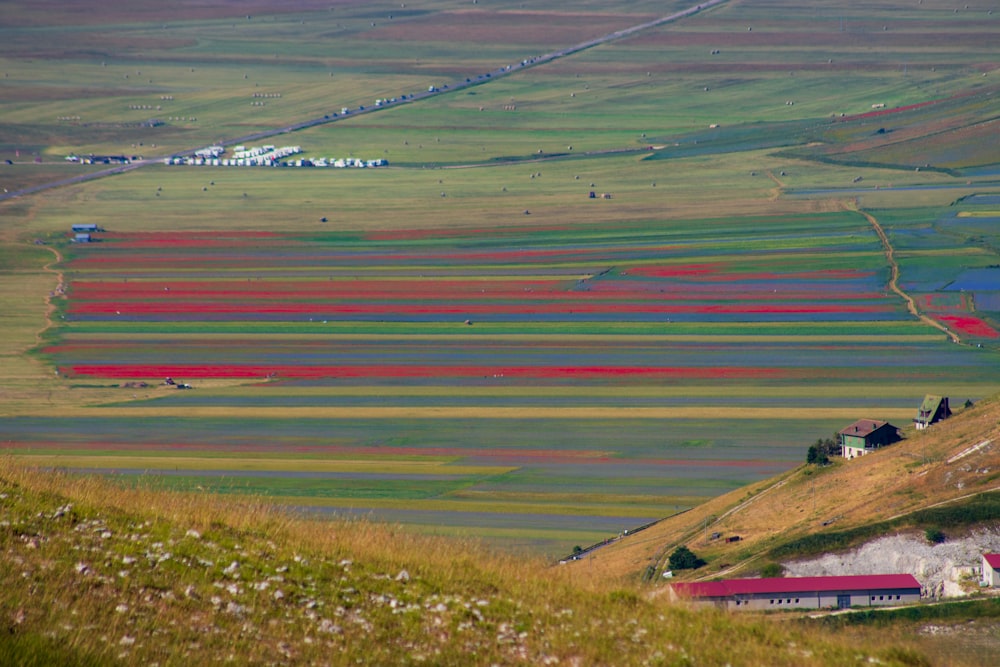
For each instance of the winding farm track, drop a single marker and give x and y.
(661, 556)
(890, 255)
(60, 287)
(468, 83)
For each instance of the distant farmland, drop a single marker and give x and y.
(532, 378)
(581, 297)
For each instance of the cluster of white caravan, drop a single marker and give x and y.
(343, 163)
(260, 156)
(210, 152)
(266, 153)
(266, 156)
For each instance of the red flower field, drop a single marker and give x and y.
(971, 326)
(416, 371)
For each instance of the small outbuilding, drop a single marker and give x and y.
(933, 409)
(876, 590)
(865, 436)
(991, 570)
(86, 227)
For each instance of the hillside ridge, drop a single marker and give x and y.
(96, 575)
(952, 462)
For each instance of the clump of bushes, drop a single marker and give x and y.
(684, 559)
(820, 453)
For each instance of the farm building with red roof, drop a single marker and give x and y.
(991, 570)
(802, 592)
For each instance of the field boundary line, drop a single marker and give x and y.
(465, 412)
(775, 192)
(890, 255)
(58, 291)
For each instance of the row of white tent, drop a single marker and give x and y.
(265, 156)
(271, 161)
(242, 157)
(243, 153)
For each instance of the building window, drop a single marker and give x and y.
(881, 597)
(772, 601)
(796, 600)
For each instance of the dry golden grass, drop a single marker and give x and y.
(98, 574)
(915, 474)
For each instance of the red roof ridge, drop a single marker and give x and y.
(730, 587)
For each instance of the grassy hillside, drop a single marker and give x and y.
(799, 230)
(945, 476)
(97, 575)
(459, 341)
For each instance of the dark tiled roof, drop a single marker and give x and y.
(862, 427)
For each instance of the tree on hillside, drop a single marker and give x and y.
(684, 559)
(816, 456)
(821, 452)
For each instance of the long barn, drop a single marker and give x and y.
(802, 592)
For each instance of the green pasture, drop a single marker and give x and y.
(650, 195)
(899, 331)
(25, 173)
(204, 103)
(20, 281)
(199, 76)
(172, 461)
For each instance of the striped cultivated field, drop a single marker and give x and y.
(538, 385)
(595, 284)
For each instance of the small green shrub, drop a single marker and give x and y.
(772, 570)
(934, 535)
